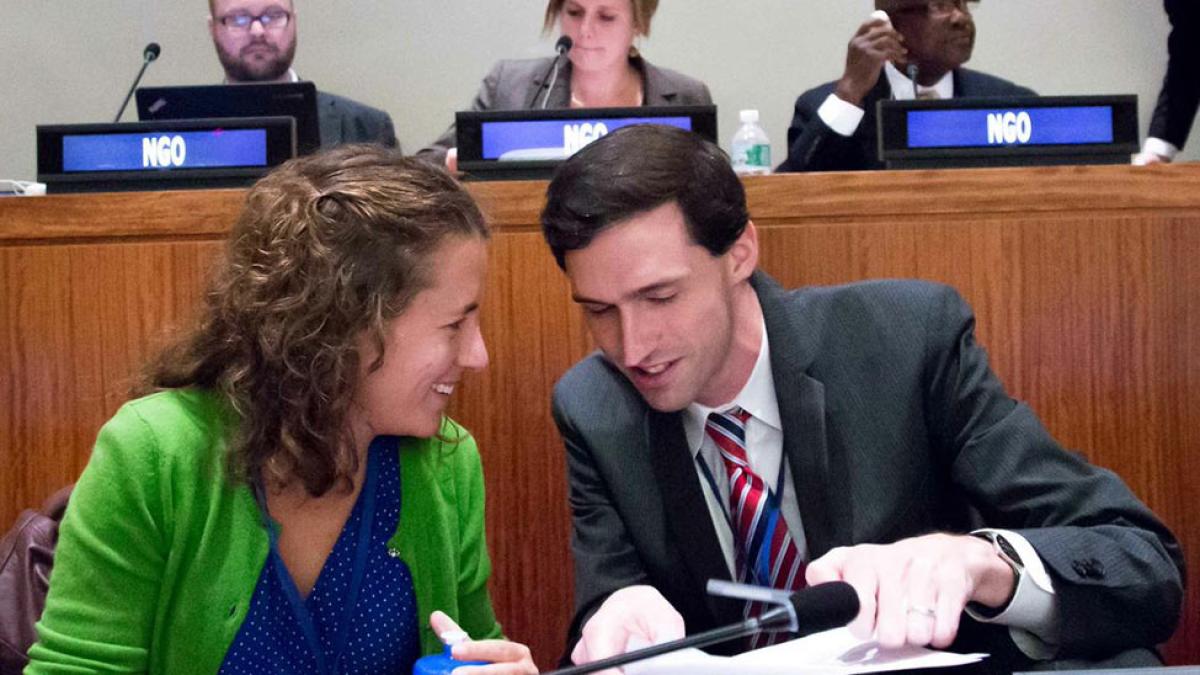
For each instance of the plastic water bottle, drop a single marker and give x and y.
(750, 150)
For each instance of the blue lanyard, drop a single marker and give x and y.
(362, 550)
(762, 566)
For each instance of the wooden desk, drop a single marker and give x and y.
(1085, 283)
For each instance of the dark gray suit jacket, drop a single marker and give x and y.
(894, 426)
(513, 84)
(813, 146)
(344, 120)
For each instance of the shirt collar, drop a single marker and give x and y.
(902, 87)
(757, 397)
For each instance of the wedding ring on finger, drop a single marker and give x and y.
(921, 610)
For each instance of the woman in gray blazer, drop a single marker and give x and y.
(604, 69)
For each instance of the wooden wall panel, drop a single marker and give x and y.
(79, 320)
(1082, 279)
(533, 336)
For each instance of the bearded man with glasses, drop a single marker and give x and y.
(256, 42)
(833, 128)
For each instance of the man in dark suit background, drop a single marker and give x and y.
(833, 127)
(1180, 96)
(256, 42)
(893, 457)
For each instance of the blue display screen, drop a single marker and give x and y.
(556, 139)
(1008, 127)
(165, 150)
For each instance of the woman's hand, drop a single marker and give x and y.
(505, 657)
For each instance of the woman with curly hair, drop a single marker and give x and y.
(288, 495)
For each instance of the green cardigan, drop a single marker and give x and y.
(159, 554)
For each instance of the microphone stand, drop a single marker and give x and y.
(148, 56)
(553, 79)
(912, 75)
(561, 48)
(781, 617)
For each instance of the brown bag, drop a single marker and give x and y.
(26, 556)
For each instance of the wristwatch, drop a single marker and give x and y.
(1004, 549)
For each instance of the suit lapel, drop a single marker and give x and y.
(331, 122)
(687, 510)
(802, 410)
(973, 84)
(824, 504)
(658, 89)
(868, 129)
(881, 92)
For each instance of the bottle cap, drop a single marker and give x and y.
(441, 664)
(748, 116)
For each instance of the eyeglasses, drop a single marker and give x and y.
(275, 19)
(940, 9)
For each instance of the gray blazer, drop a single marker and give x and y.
(893, 426)
(344, 120)
(512, 85)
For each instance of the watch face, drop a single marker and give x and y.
(1007, 549)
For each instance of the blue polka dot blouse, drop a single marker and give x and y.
(361, 616)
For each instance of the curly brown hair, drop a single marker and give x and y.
(326, 247)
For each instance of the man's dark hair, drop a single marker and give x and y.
(639, 168)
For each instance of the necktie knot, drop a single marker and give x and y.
(735, 414)
(728, 431)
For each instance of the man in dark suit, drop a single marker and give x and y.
(833, 128)
(1180, 96)
(256, 42)
(873, 439)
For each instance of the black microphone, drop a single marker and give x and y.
(149, 54)
(816, 608)
(912, 75)
(560, 48)
(809, 610)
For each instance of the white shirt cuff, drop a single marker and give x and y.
(1032, 614)
(1157, 146)
(840, 116)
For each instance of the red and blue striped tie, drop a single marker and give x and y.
(766, 554)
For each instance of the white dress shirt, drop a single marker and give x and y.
(1157, 146)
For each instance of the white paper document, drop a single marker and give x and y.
(836, 652)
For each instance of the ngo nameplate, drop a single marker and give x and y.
(1008, 131)
(159, 155)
